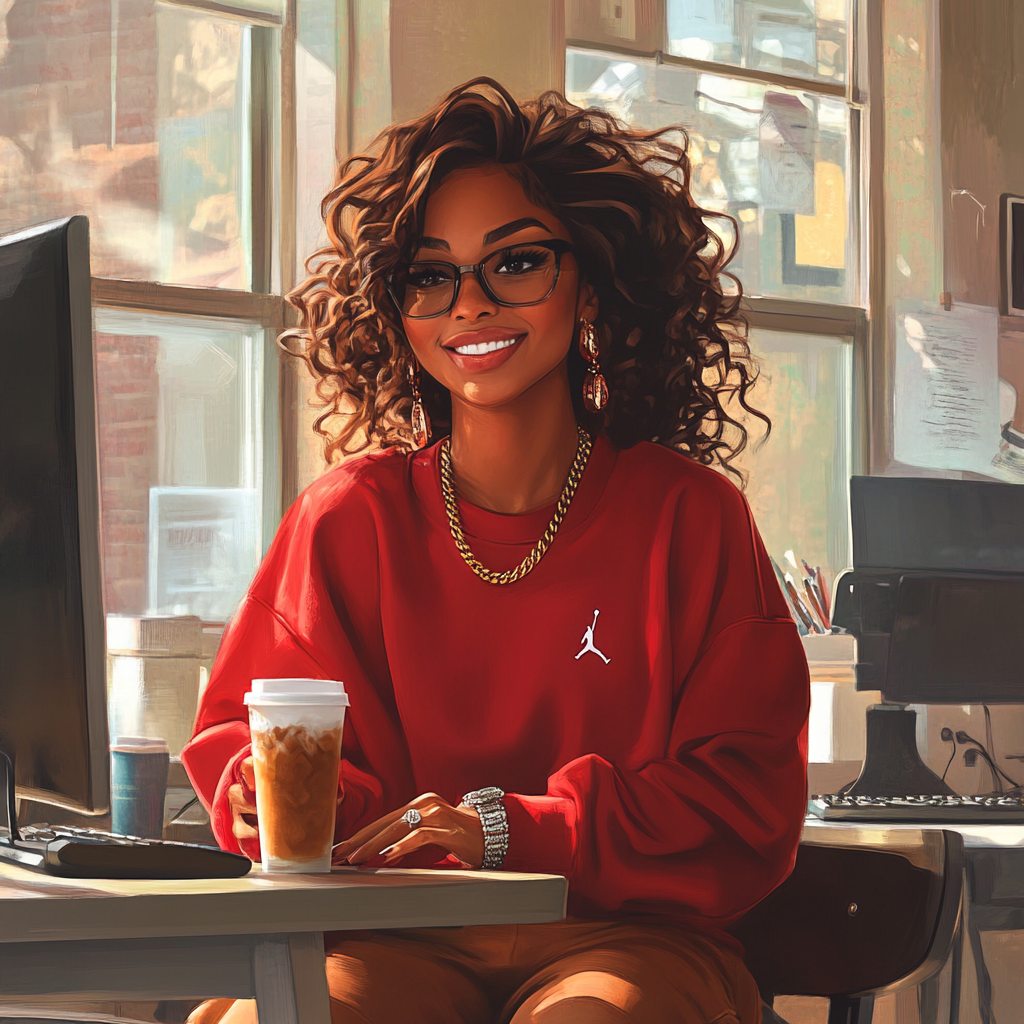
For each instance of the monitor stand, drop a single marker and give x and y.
(8, 804)
(892, 765)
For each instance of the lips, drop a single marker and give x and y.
(486, 349)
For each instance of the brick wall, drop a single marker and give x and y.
(127, 389)
(55, 123)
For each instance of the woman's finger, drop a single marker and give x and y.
(395, 831)
(241, 830)
(248, 774)
(416, 840)
(239, 802)
(343, 849)
(430, 817)
(425, 803)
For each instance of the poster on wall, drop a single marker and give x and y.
(946, 412)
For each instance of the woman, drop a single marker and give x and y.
(564, 644)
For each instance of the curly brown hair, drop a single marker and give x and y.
(673, 343)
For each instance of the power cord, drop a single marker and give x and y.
(948, 737)
(971, 759)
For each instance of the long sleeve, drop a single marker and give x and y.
(260, 644)
(312, 612)
(663, 775)
(712, 827)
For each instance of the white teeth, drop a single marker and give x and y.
(485, 347)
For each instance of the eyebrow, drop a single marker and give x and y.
(427, 242)
(512, 227)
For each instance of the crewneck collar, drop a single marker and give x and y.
(500, 528)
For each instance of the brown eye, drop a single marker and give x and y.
(523, 261)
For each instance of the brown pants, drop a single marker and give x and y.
(570, 972)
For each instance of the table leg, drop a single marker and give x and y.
(290, 979)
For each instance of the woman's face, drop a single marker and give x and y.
(484, 353)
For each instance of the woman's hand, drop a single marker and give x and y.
(242, 801)
(456, 830)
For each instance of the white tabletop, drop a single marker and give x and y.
(40, 907)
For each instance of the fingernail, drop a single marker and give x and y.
(387, 850)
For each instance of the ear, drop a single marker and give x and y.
(587, 306)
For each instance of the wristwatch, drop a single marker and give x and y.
(489, 805)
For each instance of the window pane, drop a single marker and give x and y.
(799, 477)
(316, 89)
(805, 38)
(180, 462)
(774, 160)
(137, 116)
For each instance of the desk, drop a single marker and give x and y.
(260, 936)
(994, 893)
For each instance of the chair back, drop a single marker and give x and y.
(854, 920)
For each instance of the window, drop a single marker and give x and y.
(764, 91)
(174, 127)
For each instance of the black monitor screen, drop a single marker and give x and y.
(52, 708)
(957, 639)
(913, 523)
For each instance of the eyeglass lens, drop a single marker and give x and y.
(519, 276)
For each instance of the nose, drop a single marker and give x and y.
(472, 302)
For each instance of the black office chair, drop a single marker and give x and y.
(852, 923)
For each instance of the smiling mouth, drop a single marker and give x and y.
(483, 348)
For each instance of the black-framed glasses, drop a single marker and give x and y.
(517, 275)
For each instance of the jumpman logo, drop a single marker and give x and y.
(588, 641)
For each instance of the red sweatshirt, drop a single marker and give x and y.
(659, 766)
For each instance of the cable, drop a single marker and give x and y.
(948, 737)
(992, 746)
(971, 758)
(962, 737)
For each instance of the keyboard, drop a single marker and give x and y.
(74, 852)
(975, 810)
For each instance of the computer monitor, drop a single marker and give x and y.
(957, 639)
(53, 721)
(936, 603)
(923, 523)
(912, 527)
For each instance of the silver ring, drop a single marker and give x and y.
(412, 817)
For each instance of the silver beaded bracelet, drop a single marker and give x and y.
(489, 805)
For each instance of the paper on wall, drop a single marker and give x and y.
(946, 412)
(786, 146)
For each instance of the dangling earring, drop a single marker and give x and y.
(418, 418)
(595, 387)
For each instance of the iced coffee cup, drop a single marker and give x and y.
(296, 727)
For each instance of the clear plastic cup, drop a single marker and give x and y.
(296, 727)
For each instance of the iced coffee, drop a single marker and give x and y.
(296, 728)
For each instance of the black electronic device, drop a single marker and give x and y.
(85, 853)
(917, 526)
(54, 746)
(936, 602)
(89, 853)
(53, 720)
(963, 810)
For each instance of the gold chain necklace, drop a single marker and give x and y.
(579, 464)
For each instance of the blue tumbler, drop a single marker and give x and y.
(138, 786)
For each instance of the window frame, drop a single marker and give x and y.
(854, 320)
(272, 133)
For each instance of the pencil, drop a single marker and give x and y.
(802, 611)
(812, 600)
(823, 592)
(797, 618)
(820, 594)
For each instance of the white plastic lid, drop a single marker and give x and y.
(139, 744)
(297, 691)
